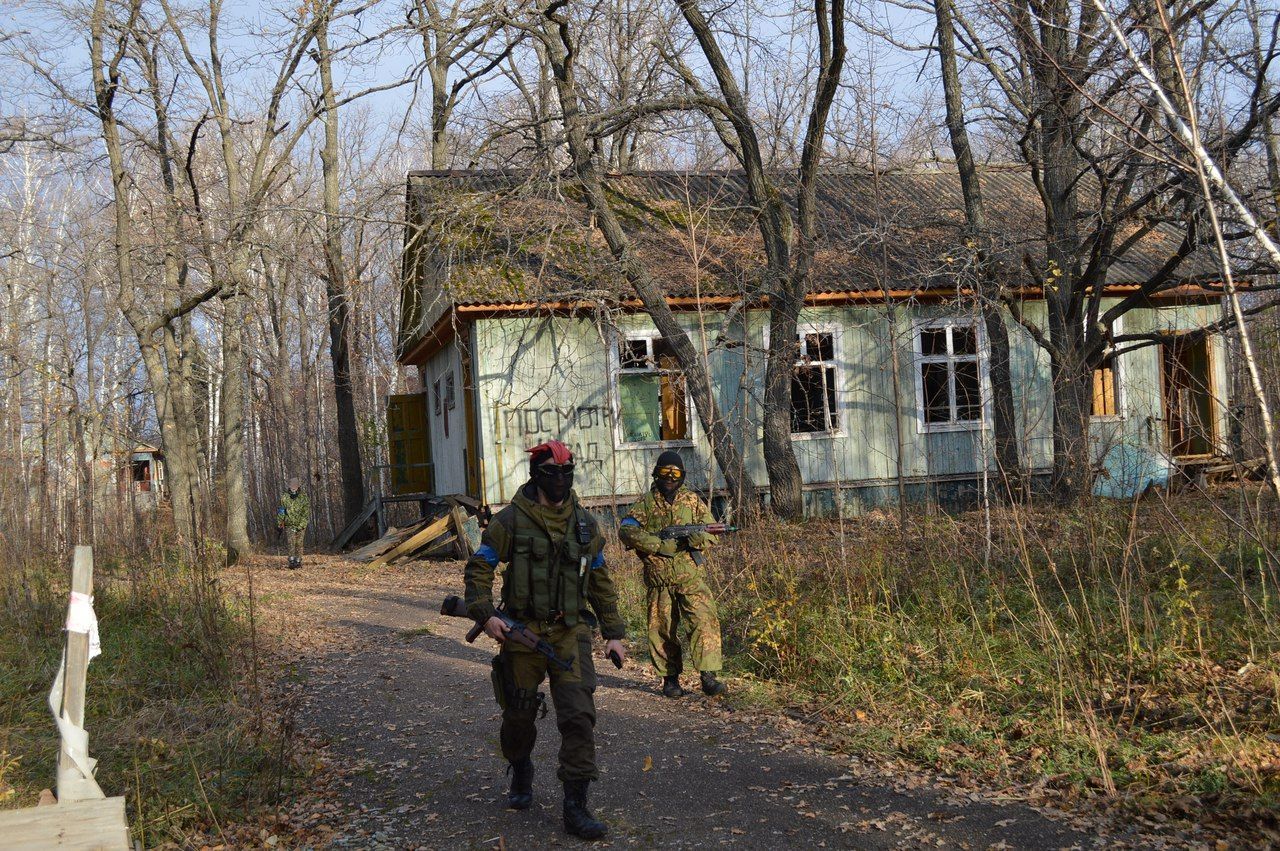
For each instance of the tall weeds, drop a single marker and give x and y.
(172, 715)
(1116, 647)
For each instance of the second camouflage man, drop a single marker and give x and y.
(676, 585)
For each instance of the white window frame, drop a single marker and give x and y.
(616, 372)
(837, 355)
(1118, 370)
(983, 356)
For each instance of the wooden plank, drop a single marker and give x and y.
(380, 546)
(458, 518)
(72, 784)
(354, 526)
(93, 825)
(415, 542)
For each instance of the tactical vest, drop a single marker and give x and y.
(546, 580)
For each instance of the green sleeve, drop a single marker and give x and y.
(603, 595)
(703, 540)
(495, 547)
(639, 537)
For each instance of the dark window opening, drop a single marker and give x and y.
(813, 385)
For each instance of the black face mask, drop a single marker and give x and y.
(667, 487)
(554, 486)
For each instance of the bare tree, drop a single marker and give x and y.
(557, 38)
(456, 38)
(976, 234)
(788, 253)
(164, 358)
(1083, 126)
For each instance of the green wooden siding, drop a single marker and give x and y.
(555, 377)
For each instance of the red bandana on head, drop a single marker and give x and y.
(553, 449)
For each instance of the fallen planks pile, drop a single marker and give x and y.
(453, 534)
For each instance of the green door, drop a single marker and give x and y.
(409, 448)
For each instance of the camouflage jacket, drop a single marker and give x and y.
(663, 563)
(295, 511)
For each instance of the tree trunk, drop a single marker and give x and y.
(786, 492)
(1004, 415)
(439, 115)
(234, 491)
(727, 454)
(335, 289)
(1058, 102)
(1072, 389)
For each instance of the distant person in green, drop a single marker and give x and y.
(292, 516)
(677, 587)
(557, 585)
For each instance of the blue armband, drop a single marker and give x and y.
(598, 561)
(629, 521)
(488, 553)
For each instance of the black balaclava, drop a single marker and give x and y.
(548, 463)
(668, 485)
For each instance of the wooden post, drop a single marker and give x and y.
(70, 785)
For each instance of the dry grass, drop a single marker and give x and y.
(173, 712)
(1123, 651)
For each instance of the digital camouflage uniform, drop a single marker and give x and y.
(545, 587)
(294, 515)
(677, 588)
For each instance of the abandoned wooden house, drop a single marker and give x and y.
(522, 329)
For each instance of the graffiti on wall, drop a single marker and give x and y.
(552, 420)
(528, 426)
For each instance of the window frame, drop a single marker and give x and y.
(837, 358)
(1118, 378)
(616, 372)
(982, 356)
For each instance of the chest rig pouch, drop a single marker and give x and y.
(546, 579)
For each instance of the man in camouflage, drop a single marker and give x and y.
(677, 587)
(292, 516)
(554, 554)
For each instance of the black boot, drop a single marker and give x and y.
(520, 795)
(578, 821)
(671, 687)
(711, 686)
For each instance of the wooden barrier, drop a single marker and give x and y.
(83, 818)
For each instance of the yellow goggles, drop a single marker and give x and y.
(669, 472)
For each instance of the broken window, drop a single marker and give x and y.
(949, 374)
(1106, 385)
(652, 400)
(813, 383)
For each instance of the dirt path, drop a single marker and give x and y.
(406, 708)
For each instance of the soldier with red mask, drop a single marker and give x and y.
(557, 584)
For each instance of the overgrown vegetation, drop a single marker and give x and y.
(1117, 647)
(173, 712)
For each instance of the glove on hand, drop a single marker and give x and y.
(668, 549)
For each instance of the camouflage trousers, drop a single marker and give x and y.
(572, 694)
(669, 606)
(293, 537)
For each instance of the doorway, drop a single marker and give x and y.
(1186, 369)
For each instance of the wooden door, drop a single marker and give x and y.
(409, 448)
(1188, 397)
